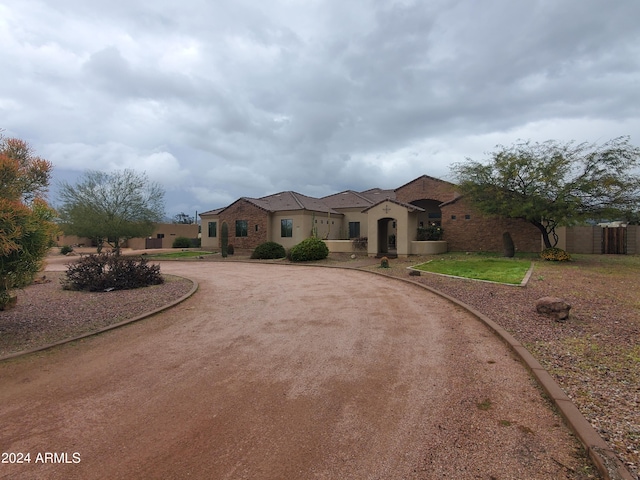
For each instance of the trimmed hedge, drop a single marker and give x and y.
(268, 250)
(181, 242)
(309, 249)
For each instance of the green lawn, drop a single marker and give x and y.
(180, 254)
(494, 269)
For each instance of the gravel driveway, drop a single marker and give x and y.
(286, 372)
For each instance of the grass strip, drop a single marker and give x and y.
(501, 270)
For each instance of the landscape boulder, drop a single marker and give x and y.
(553, 307)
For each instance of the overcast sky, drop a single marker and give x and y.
(221, 99)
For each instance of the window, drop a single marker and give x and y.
(242, 228)
(453, 217)
(467, 217)
(286, 228)
(213, 229)
(160, 235)
(354, 229)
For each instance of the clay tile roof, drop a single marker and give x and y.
(377, 194)
(212, 212)
(347, 199)
(291, 201)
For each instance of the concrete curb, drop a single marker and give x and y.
(604, 458)
(193, 290)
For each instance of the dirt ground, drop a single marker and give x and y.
(285, 372)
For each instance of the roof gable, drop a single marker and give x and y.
(408, 206)
(423, 177)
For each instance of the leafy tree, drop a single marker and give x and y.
(26, 226)
(183, 219)
(551, 184)
(111, 206)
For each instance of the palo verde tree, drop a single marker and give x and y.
(553, 184)
(26, 221)
(111, 207)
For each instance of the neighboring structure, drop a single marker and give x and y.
(162, 237)
(613, 238)
(388, 218)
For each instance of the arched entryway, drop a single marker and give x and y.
(389, 224)
(387, 236)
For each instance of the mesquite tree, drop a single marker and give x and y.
(551, 184)
(112, 206)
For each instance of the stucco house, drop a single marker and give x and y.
(388, 218)
(162, 236)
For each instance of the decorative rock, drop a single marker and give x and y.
(353, 256)
(553, 307)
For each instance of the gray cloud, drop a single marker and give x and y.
(218, 100)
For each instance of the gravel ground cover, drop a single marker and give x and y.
(280, 371)
(594, 356)
(31, 324)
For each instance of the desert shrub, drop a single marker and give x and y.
(384, 262)
(100, 272)
(555, 255)
(230, 249)
(268, 250)
(66, 249)
(181, 242)
(309, 249)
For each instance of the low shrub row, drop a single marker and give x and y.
(308, 250)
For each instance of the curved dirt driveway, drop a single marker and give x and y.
(285, 372)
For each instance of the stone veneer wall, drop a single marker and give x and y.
(244, 210)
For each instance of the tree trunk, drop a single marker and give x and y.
(544, 232)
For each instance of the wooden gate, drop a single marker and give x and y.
(153, 243)
(614, 240)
